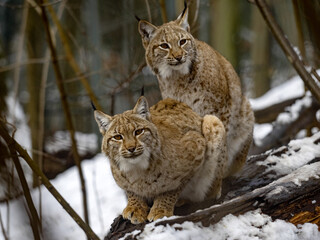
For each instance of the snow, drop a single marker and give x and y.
(300, 152)
(292, 112)
(252, 225)
(260, 132)
(106, 200)
(290, 89)
(86, 143)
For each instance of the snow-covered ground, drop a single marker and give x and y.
(106, 201)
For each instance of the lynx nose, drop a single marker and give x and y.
(131, 149)
(178, 58)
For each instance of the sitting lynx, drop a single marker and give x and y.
(163, 154)
(192, 72)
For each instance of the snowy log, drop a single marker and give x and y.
(270, 113)
(283, 183)
(300, 115)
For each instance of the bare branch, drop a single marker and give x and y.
(16, 74)
(34, 218)
(148, 10)
(71, 58)
(2, 228)
(24, 154)
(287, 48)
(66, 110)
(163, 11)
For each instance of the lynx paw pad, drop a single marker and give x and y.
(135, 214)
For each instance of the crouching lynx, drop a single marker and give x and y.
(192, 72)
(162, 155)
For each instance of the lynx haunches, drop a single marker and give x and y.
(161, 155)
(192, 72)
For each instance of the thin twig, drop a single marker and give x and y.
(148, 10)
(98, 202)
(71, 58)
(66, 110)
(16, 74)
(34, 218)
(314, 72)
(24, 154)
(129, 79)
(13, 66)
(288, 50)
(2, 228)
(195, 18)
(42, 102)
(163, 11)
(18, 6)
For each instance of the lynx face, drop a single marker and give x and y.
(169, 48)
(128, 138)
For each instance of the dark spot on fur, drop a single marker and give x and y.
(196, 100)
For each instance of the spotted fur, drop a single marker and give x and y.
(163, 154)
(192, 72)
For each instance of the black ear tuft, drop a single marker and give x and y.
(93, 106)
(142, 91)
(138, 19)
(185, 8)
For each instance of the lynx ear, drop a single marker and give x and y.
(142, 108)
(182, 20)
(103, 121)
(146, 31)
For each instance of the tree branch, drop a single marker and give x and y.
(66, 109)
(288, 50)
(70, 57)
(23, 153)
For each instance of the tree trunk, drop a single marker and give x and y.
(260, 54)
(35, 49)
(225, 14)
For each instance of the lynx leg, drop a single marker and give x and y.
(163, 206)
(216, 155)
(136, 210)
(241, 138)
(240, 158)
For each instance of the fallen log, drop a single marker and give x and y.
(270, 114)
(263, 183)
(300, 115)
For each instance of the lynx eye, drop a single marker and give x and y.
(138, 132)
(182, 42)
(117, 137)
(164, 45)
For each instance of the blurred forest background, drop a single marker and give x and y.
(100, 58)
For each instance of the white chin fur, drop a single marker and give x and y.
(166, 71)
(138, 163)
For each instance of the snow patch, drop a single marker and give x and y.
(290, 89)
(292, 112)
(260, 132)
(106, 201)
(252, 225)
(299, 153)
(86, 143)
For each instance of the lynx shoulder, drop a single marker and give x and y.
(163, 154)
(194, 73)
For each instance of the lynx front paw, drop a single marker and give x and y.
(135, 214)
(156, 213)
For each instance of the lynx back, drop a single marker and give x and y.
(192, 72)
